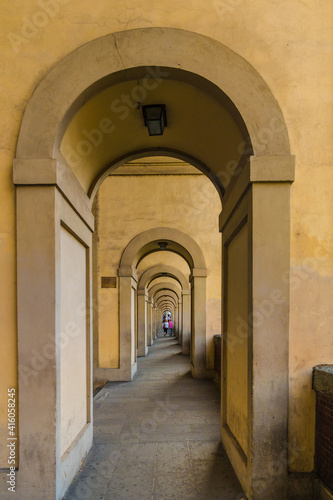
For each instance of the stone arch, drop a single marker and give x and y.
(100, 58)
(162, 270)
(148, 241)
(166, 293)
(141, 245)
(182, 313)
(165, 286)
(173, 153)
(261, 193)
(166, 306)
(165, 301)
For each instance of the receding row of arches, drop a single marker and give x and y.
(143, 244)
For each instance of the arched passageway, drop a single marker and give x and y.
(143, 244)
(239, 140)
(181, 283)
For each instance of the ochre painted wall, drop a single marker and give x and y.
(290, 45)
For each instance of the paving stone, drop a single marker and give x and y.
(207, 450)
(88, 487)
(144, 452)
(131, 481)
(107, 438)
(177, 486)
(215, 480)
(106, 427)
(172, 458)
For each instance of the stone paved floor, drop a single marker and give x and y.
(157, 437)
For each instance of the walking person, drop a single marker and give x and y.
(166, 326)
(170, 327)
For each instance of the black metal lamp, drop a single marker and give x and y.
(163, 245)
(155, 118)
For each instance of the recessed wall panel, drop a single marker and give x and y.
(72, 338)
(134, 340)
(108, 340)
(237, 338)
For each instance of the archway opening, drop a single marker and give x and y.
(147, 263)
(160, 201)
(204, 127)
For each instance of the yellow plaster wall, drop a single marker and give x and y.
(290, 44)
(187, 203)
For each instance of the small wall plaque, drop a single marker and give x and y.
(109, 282)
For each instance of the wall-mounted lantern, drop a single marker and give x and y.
(155, 118)
(163, 245)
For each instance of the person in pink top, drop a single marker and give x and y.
(170, 327)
